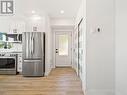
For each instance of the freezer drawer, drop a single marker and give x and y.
(33, 68)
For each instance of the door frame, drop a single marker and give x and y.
(54, 43)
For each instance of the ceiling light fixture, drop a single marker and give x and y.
(33, 12)
(62, 11)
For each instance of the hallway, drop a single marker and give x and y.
(61, 81)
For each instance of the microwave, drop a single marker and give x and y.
(14, 37)
(18, 37)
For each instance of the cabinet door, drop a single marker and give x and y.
(20, 27)
(35, 26)
(17, 27)
(12, 28)
(19, 65)
(19, 68)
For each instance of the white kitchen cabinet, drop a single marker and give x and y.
(17, 27)
(35, 26)
(19, 63)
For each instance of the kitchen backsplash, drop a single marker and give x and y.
(17, 47)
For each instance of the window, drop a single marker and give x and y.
(63, 45)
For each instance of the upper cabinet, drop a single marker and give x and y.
(17, 27)
(35, 25)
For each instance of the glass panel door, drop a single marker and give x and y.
(63, 45)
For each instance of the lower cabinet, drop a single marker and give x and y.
(19, 63)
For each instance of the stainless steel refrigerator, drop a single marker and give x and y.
(33, 54)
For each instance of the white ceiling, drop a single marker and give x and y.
(52, 7)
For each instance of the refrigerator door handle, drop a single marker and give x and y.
(32, 61)
(33, 45)
(27, 46)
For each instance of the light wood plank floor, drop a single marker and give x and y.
(61, 81)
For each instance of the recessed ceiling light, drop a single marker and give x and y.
(36, 17)
(62, 11)
(33, 12)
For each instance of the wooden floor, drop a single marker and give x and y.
(61, 81)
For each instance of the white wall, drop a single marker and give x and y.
(62, 22)
(4, 24)
(81, 12)
(121, 47)
(49, 46)
(100, 47)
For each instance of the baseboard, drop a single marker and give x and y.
(47, 73)
(84, 86)
(84, 90)
(100, 92)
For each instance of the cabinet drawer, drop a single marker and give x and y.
(19, 68)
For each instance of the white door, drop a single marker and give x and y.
(63, 49)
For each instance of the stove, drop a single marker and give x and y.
(8, 63)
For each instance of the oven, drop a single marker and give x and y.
(8, 63)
